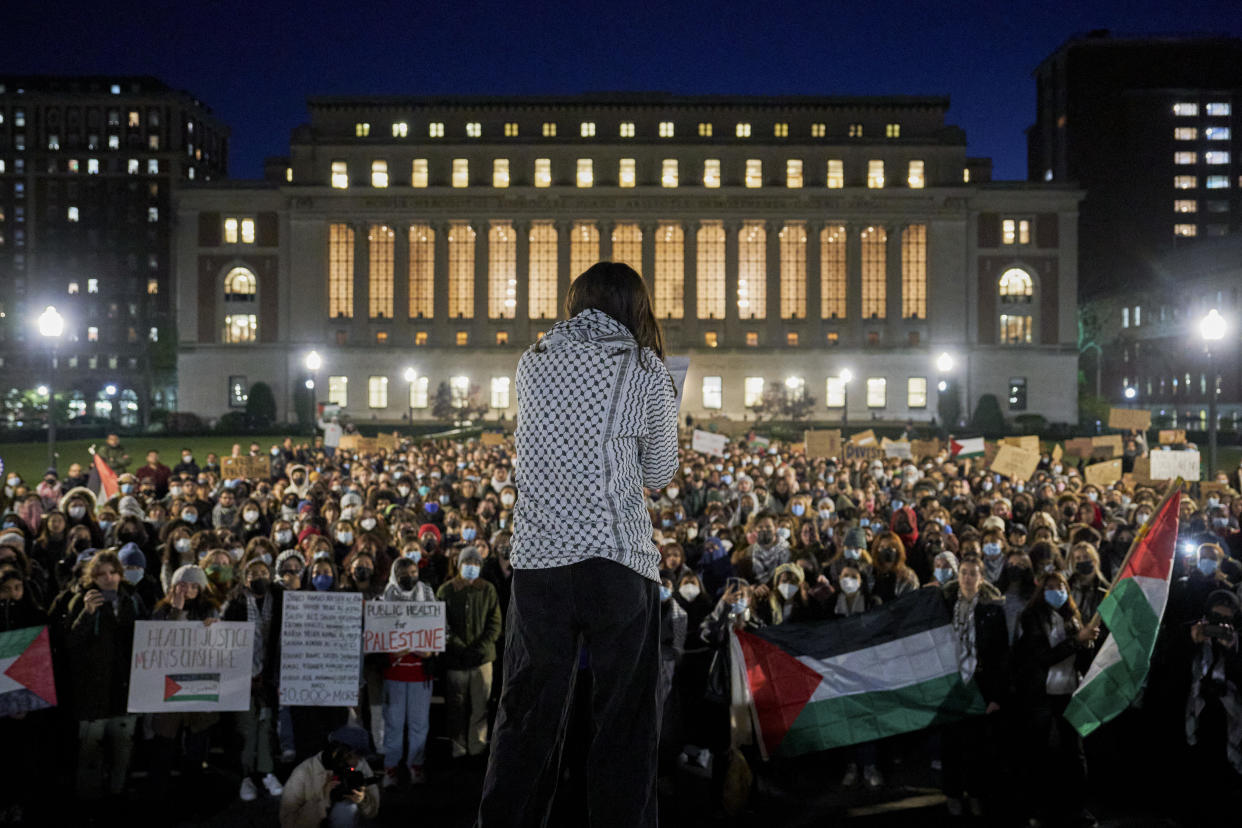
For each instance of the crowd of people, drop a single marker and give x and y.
(762, 535)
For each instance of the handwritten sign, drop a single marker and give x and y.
(896, 448)
(924, 448)
(1028, 442)
(1103, 474)
(1172, 436)
(1015, 463)
(1166, 465)
(823, 442)
(321, 649)
(188, 667)
(387, 442)
(1129, 419)
(401, 626)
(1106, 446)
(1057, 453)
(246, 468)
(1078, 447)
(708, 443)
(863, 438)
(853, 451)
(492, 438)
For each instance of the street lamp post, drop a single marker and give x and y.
(1212, 329)
(944, 366)
(410, 376)
(846, 376)
(51, 326)
(313, 363)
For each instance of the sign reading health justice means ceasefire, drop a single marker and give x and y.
(403, 626)
(321, 649)
(709, 443)
(190, 667)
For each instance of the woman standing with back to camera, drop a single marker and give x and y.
(597, 421)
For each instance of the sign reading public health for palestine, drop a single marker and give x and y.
(191, 667)
(404, 626)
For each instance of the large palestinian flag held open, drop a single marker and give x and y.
(827, 684)
(1132, 611)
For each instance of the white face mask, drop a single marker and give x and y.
(850, 585)
(787, 591)
(284, 536)
(506, 500)
(673, 491)
(692, 532)
(368, 523)
(689, 591)
(236, 553)
(250, 516)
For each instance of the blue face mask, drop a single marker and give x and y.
(991, 550)
(798, 509)
(739, 606)
(665, 593)
(944, 574)
(431, 507)
(105, 525)
(323, 583)
(468, 533)
(414, 555)
(470, 571)
(1056, 598)
(853, 554)
(127, 487)
(897, 504)
(422, 490)
(864, 522)
(1207, 566)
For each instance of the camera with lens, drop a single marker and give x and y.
(351, 780)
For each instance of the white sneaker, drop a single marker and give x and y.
(273, 785)
(248, 793)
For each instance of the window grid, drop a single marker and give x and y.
(793, 270)
(338, 391)
(422, 271)
(461, 172)
(627, 245)
(501, 271)
(543, 271)
(670, 258)
(916, 392)
(418, 392)
(586, 172)
(752, 276)
(713, 392)
(754, 172)
(915, 176)
(711, 172)
(668, 173)
(627, 175)
(500, 392)
(418, 173)
(914, 272)
(381, 243)
(461, 270)
(240, 327)
(832, 275)
(341, 271)
(379, 174)
(710, 270)
(543, 172)
(877, 392)
(583, 248)
(874, 276)
(752, 391)
(500, 172)
(377, 392)
(834, 393)
(875, 174)
(793, 173)
(836, 173)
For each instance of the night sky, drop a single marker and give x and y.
(256, 63)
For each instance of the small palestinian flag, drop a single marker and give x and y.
(26, 681)
(192, 687)
(966, 447)
(826, 684)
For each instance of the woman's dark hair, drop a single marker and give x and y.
(616, 289)
(1068, 610)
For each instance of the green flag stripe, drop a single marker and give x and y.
(212, 697)
(15, 642)
(864, 717)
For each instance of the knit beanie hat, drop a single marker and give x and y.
(132, 556)
(190, 574)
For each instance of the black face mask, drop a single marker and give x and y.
(259, 586)
(766, 536)
(406, 583)
(1084, 567)
(362, 574)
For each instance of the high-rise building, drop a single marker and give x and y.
(828, 248)
(1149, 127)
(88, 168)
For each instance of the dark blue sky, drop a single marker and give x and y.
(256, 63)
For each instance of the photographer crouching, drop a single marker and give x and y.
(334, 788)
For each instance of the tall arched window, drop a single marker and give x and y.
(1017, 291)
(240, 320)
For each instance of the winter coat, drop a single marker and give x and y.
(992, 674)
(472, 616)
(99, 646)
(303, 804)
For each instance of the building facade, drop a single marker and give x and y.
(786, 242)
(88, 167)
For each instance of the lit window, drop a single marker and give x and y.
(752, 392)
(459, 390)
(153, 287)
(743, 130)
(587, 130)
(1185, 158)
(793, 173)
(153, 215)
(338, 391)
(855, 130)
(874, 272)
(710, 270)
(666, 129)
(92, 334)
(875, 173)
(230, 231)
(53, 142)
(114, 142)
(1016, 287)
(474, 129)
(461, 172)
(435, 129)
(462, 338)
(670, 263)
(543, 172)
(461, 239)
(711, 172)
(627, 244)
(626, 175)
(500, 172)
(914, 272)
(379, 174)
(153, 334)
(381, 244)
(1216, 157)
(1185, 206)
(583, 247)
(877, 392)
(1138, 315)
(752, 339)
(966, 175)
(549, 129)
(422, 271)
(418, 392)
(713, 392)
(627, 129)
(1185, 230)
(1185, 182)
(795, 389)
(153, 166)
(914, 175)
(420, 338)
(73, 214)
(1015, 329)
(819, 130)
(247, 231)
(73, 288)
(362, 129)
(892, 130)
(92, 286)
(340, 271)
(586, 172)
(418, 173)
(1217, 182)
(832, 275)
(1185, 109)
(511, 129)
(377, 392)
(1016, 231)
(834, 393)
(92, 166)
(500, 392)
(240, 285)
(780, 130)
(1218, 109)
(836, 173)
(754, 172)
(668, 173)
(1216, 133)
(501, 271)
(705, 130)
(791, 339)
(240, 328)
(1185, 133)
(792, 241)
(1125, 319)
(340, 175)
(752, 276)
(400, 129)
(711, 339)
(916, 392)
(133, 166)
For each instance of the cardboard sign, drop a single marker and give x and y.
(1057, 453)
(1172, 436)
(1103, 474)
(990, 450)
(853, 452)
(1015, 463)
(708, 443)
(863, 438)
(920, 449)
(822, 443)
(246, 468)
(1106, 446)
(321, 649)
(401, 626)
(1166, 465)
(1079, 447)
(1129, 419)
(1208, 487)
(492, 438)
(896, 448)
(1027, 442)
(387, 442)
(188, 667)
(797, 448)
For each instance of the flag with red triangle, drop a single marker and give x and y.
(826, 684)
(102, 480)
(26, 679)
(966, 447)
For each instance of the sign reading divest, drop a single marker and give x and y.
(400, 626)
(320, 649)
(188, 667)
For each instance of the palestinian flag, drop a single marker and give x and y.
(26, 681)
(192, 687)
(966, 447)
(102, 480)
(1132, 611)
(827, 684)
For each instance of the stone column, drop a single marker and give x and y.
(564, 235)
(690, 275)
(401, 281)
(362, 261)
(893, 272)
(813, 298)
(772, 249)
(440, 322)
(481, 322)
(521, 272)
(854, 323)
(733, 337)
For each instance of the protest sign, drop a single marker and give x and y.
(1106, 446)
(321, 649)
(1057, 453)
(403, 626)
(896, 448)
(1167, 465)
(823, 443)
(1028, 442)
(1212, 487)
(853, 451)
(708, 443)
(233, 468)
(1015, 463)
(920, 449)
(492, 438)
(863, 438)
(1103, 474)
(1129, 419)
(1172, 436)
(349, 442)
(1078, 447)
(190, 667)
(387, 442)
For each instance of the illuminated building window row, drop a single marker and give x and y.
(588, 129)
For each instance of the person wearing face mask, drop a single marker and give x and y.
(473, 624)
(78, 506)
(187, 464)
(854, 598)
(768, 550)
(175, 552)
(221, 573)
(1016, 585)
(251, 522)
(343, 535)
(852, 552)
(289, 569)
(993, 548)
(407, 687)
(435, 564)
(1053, 649)
(944, 569)
(1213, 712)
(673, 626)
(786, 597)
(893, 578)
(282, 535)
(1087, 584)
(322, 576)
(135, 564)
